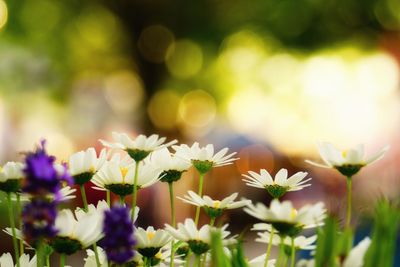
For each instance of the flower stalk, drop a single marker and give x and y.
(349, 201)
(269, 248)
(134, 194)
(12, 224)
(201, 181)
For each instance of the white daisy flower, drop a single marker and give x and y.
(199, 240)
(172, 166)
(84, 164)
(120, 179)
(259, 261)
(285, 218)
(73, 231)
(66, 193)
(355, 258)
(90, 260)
(6, 260)
(11, 175)
(163, 258)
(203, 158)
(214, 208)
(278, 185)
(347, 162)
(140, 147)
(150, 241)
(300, 242)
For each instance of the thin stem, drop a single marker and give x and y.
(281, 252)
(62, 260)
(203, 263)
(348, 213)
(198, 261)
(12, 224)
(173, 220)
(40, 254)
(293, 258)
(271, 236)
(48, 260)
(171, 262)
(84, 200)
(122, 200)
(108, 197)
(134, 194)
(172, 202)
(19, 209)
(201, 195)
(96, 255)
(188, 258)
(285, 259)
(212, 221)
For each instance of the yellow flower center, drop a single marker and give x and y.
(158, 255)
(150, 235)
(92, 169)
(216, 204)
(124, 171)
(293, 214)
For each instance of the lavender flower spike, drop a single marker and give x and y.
(42, 174)
(119, 240)
(39, 218)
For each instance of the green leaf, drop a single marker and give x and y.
(327, 244)
(381, 252)
(218, 256)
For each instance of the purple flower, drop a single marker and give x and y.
(38, 217)
(42, 176)
(118, 241)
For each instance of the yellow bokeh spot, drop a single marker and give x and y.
(154, 42)
(184, 59)
(123, 91)
(197, 109)
(163, 109)
(3, 14)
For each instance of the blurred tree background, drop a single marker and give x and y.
(267, 78)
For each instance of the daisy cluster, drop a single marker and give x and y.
(107, 230)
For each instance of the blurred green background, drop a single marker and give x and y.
(268, 78)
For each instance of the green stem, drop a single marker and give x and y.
(62, 260)
(201, 195)
(281, 252)
(84, 200)
(19, 209)
(134, 194)
(271, 236)
(188, 258)
(212, 221)
(108, 197)
(198, 261)
(12, 224)
(40, 259)
(172, 202)
(348, 213)
(173, 219)
(122, 200)
(203, 263)
(96, 255)
(293, 258)
(48, 260)
(285, 259)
